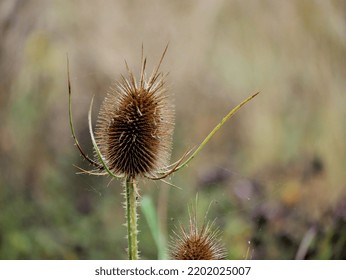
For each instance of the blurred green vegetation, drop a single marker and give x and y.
(273, 177)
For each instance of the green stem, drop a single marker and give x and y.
(131, 216)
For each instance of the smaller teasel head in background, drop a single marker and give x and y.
(194, 243)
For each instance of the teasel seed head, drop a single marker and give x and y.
(197, 244)
(135, 124)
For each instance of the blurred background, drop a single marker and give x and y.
(273, 177)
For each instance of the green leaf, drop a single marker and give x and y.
(150, 214)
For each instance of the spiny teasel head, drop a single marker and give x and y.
(197, 244)
(135, 124)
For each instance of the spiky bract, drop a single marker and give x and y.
(135, 125)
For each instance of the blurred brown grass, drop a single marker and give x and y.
(274, 172)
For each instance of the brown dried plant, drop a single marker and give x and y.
(133, 136)
(135, 125)
(196, 243)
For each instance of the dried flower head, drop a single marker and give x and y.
(135, 124)
(197, 244)
(135, 128)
